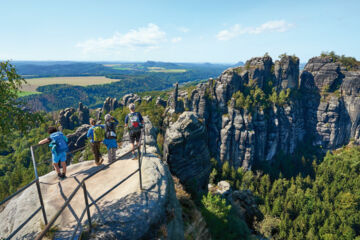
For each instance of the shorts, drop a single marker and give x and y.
(135, 136)
(59, 157)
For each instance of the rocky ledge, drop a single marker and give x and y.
(125, 213)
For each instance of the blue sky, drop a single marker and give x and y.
(178, 31)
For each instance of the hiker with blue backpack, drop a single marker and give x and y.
(96, 133)
(59, 147)
(134, 121)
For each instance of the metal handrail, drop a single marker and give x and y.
(37, 182)
(82, 184)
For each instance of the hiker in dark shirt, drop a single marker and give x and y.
(96, 134)
(59, 147)
(110, 136)
(135, 122)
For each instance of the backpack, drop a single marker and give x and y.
(110, 132)
(99, 134)
(58, 142)
(134, 124)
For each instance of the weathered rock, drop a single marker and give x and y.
(331, 102)
(327, 111)
(110, 104)
(287, 72)
(244, 204)
(147, 99)
(130, 98)
(186, 151)
(78, 138)
(84, 114)
(161, 102)
(67, 119)
(98, 113)
(223, 188)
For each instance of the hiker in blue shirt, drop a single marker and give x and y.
(135, 122)
(59, 147)
(110, 137)
(96, 134)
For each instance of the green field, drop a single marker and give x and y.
(27, 93)
(164, 70)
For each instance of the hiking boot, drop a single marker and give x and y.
(133, 157)
(59, 175)
(63, 175)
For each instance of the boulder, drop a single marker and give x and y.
(187, 153)
(244, 204)
(130, 98)
(223, 188)
(84, 114)
(110, 104)
(161, 102)
(67, 118)
(78, 138)
(147, 99)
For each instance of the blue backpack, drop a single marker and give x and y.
(58, 141)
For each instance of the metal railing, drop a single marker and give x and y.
(81, 184)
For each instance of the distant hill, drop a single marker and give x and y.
(239, 64)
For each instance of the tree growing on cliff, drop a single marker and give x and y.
(13, 115)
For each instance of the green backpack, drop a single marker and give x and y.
(99, 134)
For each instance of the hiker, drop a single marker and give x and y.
(110, 136)
(58, 143)
(135, 122)
(96, 134)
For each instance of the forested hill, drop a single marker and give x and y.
(132, 77)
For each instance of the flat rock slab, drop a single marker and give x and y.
(55, 192)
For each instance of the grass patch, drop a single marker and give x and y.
(27, 93)
(164, 70)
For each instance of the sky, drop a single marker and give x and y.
(177, 31)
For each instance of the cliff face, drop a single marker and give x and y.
(186, 151)
(322, 108)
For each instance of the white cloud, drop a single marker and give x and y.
(237, 29)
(183, 29)
(148, 37)
(176, 39)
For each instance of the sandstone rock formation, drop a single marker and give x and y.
(147, 99)
(84, 114)
(244, 204)
(67, 118)
(160, 102)
(78, 138)
(110, 104)
(126, 213)
(186, 151)
(130, 98)
(323, 108)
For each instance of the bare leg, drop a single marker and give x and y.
(56, 166)
(63, 164)
(132, 148)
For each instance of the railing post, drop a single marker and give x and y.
(87, 205)
(139, 161)
(38, 186)
(144, 141)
